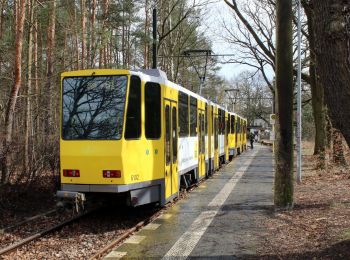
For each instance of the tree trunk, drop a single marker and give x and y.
(83, 33)
(2, 7)
(338, 148)
(36, 81)
(128, 60)
(123, 38)
(65, 50)
(146, 31)
(9, 118)
(76, 40)
(331, 31)
(102, 58)
(318, 107)
(50, 67)
(28, 123)
(283, 197)
(92, 33)
(328, 130)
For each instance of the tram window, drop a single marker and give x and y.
(167, 134)
(152, 111)
(238, 126)
(228, 124)
(223, 122)
(133, 116)
(93, 107)
(183, 114)
(232, 124)
(174, 133)
(202, 134)
(206, 120)
(193, 116)
(219, 121)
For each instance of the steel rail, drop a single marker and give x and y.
(26, 220)
(42, 233)
(138, 226)
(125, 235)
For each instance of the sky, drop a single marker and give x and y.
(217, 11)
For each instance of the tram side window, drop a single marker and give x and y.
(174, 133)
(193, 116)
(183, 114)
(219, 121)
(223, 122)
(232, 124)
(133, 116)
(152, 111)
(167, 134)
(228, 125)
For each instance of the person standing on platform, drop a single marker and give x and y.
(251, 139)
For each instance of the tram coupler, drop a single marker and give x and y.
(77, 197)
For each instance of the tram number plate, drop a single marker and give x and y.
(135, 177)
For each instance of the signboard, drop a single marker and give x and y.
(272, 119)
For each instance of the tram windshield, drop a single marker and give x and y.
(93, 107)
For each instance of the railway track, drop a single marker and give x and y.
(102, 252)
(27, 220)
(6, 251)
(43, 232)
(125, 235)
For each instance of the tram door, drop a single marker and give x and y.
(216, 141)
(201, 143)
(171, 148)
(236, 132)
(227, 131)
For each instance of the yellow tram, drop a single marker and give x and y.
(137, 134)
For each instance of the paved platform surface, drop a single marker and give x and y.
(219, 219)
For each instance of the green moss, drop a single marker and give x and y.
(345, 235)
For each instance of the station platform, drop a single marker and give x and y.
(219, 219)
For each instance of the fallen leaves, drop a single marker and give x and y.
(319, 225)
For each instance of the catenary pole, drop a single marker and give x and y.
(299, 95)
